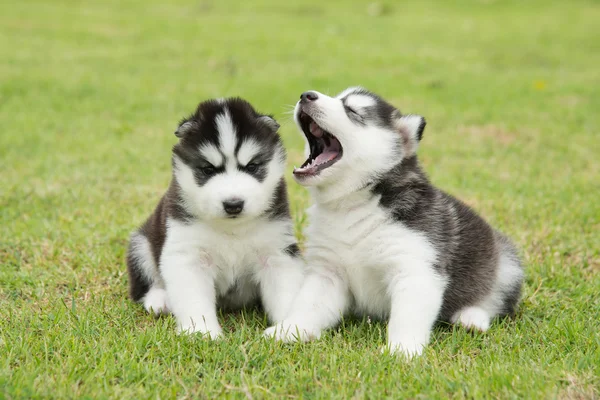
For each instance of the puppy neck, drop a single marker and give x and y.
(345, 196)
(336, 198)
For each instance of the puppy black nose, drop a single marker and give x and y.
(308, 96)
(233, 206)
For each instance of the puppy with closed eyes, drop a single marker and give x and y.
(382, 240)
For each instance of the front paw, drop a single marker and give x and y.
(156, 301)
(213, 331)
(408, 348)
(289, 332)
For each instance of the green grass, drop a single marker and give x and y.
(90, 93)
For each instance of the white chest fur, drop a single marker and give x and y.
(228, 253)
(359, 242)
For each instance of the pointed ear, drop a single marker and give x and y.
(184, 128)
(412, 125)
(270, 122)
(411, 128)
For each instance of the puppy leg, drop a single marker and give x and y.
(191, 290)
(145, 283)
(322, 300)
(416, 301)
(280, 280)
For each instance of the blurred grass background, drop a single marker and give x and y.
(90, 93)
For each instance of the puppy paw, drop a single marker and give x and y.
(473, 318)
(156, 301)
(210, 332)
(407, 348)
(288, 333)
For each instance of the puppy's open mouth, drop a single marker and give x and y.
(325, 149)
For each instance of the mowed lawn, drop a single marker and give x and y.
(91, 92)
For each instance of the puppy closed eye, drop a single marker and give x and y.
(352, 112)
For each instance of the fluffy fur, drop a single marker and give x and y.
(222, 234)
(382, 240)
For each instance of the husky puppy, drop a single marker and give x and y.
(383, 241)
(222, 234)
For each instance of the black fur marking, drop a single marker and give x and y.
(261, 160)
(293, 250)
(467, 250)
(174, 204)
(421, 128)
(381, 113)
(202, 177)
(251, 127)
(260, 174)
(280, 208)
(138, 284)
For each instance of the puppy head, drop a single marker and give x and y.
(352, 137)
(228, 161)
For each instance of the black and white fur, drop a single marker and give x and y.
(382, 240)
(222, 234)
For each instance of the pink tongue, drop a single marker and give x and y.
(325, 156)
(315, 130)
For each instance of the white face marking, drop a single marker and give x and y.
(248, 150)
(227, 136)
(212, 155)
(348, 91)
(358, 101)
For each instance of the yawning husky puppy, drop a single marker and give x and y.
(222, 234)
(382, 240)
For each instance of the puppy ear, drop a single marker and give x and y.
(184, 128)
(270, 122)
(411, 129)
(413, 125)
